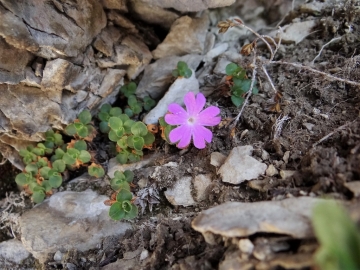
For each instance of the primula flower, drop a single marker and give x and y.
(192, 121)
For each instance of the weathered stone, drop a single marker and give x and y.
(74, 28)
(104, 42)
(158, 77)
(68, 220)
(240, 166)
(180, 193)
(200, 183)
(152, 14)
(294, 32)
(190, 5)
(354, 187)
(111, 79)
(217, 159)
(12, 253)
(271, 170)
(114, 165)
(58, 73)
(175, 43)
(31, 79)
(13, 59)
(115, 4)
(175, 94)
(139, 47)
(122, 21)
(231, 219)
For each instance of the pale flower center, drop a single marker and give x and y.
(191, 120)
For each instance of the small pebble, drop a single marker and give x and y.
(144, 254)
(58, 256)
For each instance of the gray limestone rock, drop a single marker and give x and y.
(175, 94)
(180, 193)
(158, 77)
(68, 220)
(190, 5)
(187, 36)
(12, 254)
(240, 166)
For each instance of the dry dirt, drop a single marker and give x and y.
(316, 107)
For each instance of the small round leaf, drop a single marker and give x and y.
(105, 108)
(139, 129)
(71, 130)
(116, 212)
(116, 111)
(55, 181)
(115, 123)
(38, 196)
(85, 117)
(124, 195)
(59, 165)
(84, 156)
(21, 179)
(122, 157)
(132, 213)
(104, 127)
(129, 176)
(80, 145)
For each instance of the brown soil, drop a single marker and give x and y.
(321, 167)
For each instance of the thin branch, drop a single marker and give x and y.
(327, 75)
(332, 133)
(269, 79)
(322, 48)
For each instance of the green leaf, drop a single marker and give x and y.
(139, 129)
(59, 165)
(120, 132)
(124, 195)
(73, 152)
(187, 73)
(23, 152)
(84, 156)
(338, 236)
(167, 131)
(126, 205)
(124, 118)
(38, 196)
(138, 142)
(122, 157)
(42, 162)
(96, 171)
(255, 90)
(105, 108)
(116, 184)
(71, 130)
(38, 151)
(129, 112)
(58, 139)
(115, 123)
(122, 143)
(83, 131)
(134, 157)
(237, 101)
(68, 159)
(129, 176)
(80, 145)
(245, 85)
(127, 125)
(85, 117)
(132, 101)
(132, 213)
(59, 153)
(104, 127)
(181, 65)
(116, 111)
(137, 108)
(162, 122)
(31, 168)
(49, 133)
(44, 172)
(149, 138)
(103, 116)
(46, 185)
(119, 176)
(112, 136)
(231, 69)
(22, 179)
(116, 212)
(55, 181)
(149, 103)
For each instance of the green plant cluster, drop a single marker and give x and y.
(182, 70)
(122, 207)
(241, 84)
(135, 106)
(131, 136)
(338, 236)
(46, 162)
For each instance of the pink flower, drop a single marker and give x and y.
(192, 121)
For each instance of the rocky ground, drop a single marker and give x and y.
(243, 202)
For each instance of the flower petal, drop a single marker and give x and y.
(200, 135)
(174, 119)
(181, 134)
(209, 117)
(200, 102)
(190, 103)
(176, 109)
